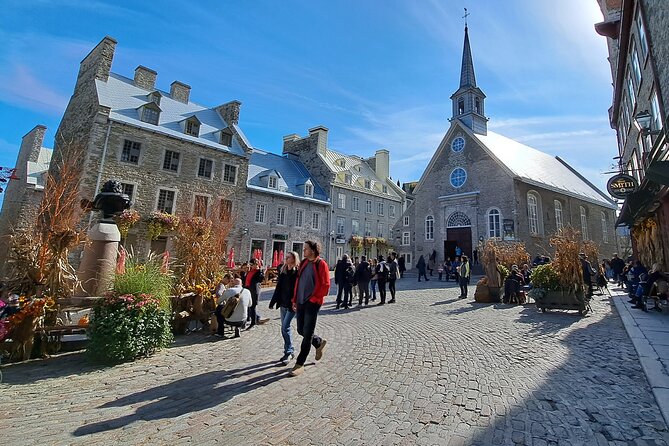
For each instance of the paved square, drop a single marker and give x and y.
(430, 369)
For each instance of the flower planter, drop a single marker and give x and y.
(562, 300)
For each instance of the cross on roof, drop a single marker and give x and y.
(465, 17)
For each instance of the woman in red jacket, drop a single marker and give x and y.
(313, 284)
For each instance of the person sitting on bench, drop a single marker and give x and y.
(655, 281)
(238, 317)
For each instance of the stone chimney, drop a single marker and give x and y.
(382, 164)
(97, 64)
(230, 112)
(321, 134)
(180, 92)
(145, 78)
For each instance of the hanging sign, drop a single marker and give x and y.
(621, 185)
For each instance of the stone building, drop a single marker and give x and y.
(365, 201)
(637, 33)
(481, 185)
(284, 206)
(24, 194)
(171, 154)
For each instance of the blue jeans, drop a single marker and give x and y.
(373, 286)
(286, 318)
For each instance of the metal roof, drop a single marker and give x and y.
(125, 99)
(37, 170)
(541, 169)
(291, 176)
(342, 165)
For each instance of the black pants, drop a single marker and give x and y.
(340, 294)
(307, 314)
(464, 281)
(422, 273)
(391, 288)
(252, 309)
(222, 322)
(363, 291)
(382, 290)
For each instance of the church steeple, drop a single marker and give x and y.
(468, 100)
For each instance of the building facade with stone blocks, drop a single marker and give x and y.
(284, 206)
(481, 185)
(24, 193)
(170, 154)
(365, 202)
(637, 34)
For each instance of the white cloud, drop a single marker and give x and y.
(19, 86)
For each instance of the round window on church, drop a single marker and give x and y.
(458, 177)
(458, 144)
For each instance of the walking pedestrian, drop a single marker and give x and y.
(432, 262)
(373, 281)
(382, 274)
(393, 275)
(283, 299)
(313, 284)
(464, 273)
(252, 282)
(421, 269)
(340, 279)
(402, 264)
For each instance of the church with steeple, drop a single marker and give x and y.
(481, 185)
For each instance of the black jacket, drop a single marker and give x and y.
(340, 272)
(256, 281)
(617, 265)
(364, 273)
(285, 288)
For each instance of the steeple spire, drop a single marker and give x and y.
(468, 100)
(467, 77)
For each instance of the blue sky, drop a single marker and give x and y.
(378, 74)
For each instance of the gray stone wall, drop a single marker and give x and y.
(21, 200)
(270, 231)
(656, 16)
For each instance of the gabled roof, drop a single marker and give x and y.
(292, 175)
(358, 169)
(532, 166)
(37, 170)
(124, 99)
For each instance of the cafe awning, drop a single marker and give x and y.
(634, 205)
(658, 172)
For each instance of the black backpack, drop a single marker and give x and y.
(349, 275)
(382, 271)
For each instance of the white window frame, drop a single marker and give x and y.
(636, 67)
(605, 228)
(260, 216)
(273, 182)
(368, 228)
(316, 221)
(341, 226)
(355, 204)
(656, 123)
(584, 223)
(368, 184)
(164, 158)
(534, 213)
(384, 189)
(299, 218)
(380, 208)
(174, 199)
(194, 129)
(429, 227)
(139, 149)
(406, 220)
(559, 223)
(213, 168)
(368, 206)
(355, 226)
(308, 189)
(236, 167)
(341, 200)
(379, 230)
(494, 225)
(148, 110)
(641, 31)
(391, 210)
(281, 216)
(134, 190)
(406, 238)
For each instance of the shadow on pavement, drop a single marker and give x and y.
(184, 396)
(57, 366)
(549, 322)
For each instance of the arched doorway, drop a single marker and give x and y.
(458, 233)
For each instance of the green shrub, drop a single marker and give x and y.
(545, 277)
(503, 272)
(144, 278)
(127, 327)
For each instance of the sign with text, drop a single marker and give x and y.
(621, 185)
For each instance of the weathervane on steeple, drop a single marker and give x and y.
(465, 17)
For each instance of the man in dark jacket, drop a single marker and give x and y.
(588, 272)
(617, 266)
(340, 279)
(363, 274)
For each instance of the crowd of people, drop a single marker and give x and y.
(299, 294)
(637, 280)
(362, 279)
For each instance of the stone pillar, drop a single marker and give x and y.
(98, 264)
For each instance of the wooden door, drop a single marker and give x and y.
(463, 238)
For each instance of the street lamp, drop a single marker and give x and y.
(643, 122)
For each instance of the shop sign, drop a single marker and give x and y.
(280, 236)
(621, 185)
(340, 241)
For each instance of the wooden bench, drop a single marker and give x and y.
(659, 293)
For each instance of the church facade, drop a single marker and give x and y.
(481, 185)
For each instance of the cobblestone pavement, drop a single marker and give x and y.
(430, 369)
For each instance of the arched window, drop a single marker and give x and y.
(429, 227)
(605, 228)
(534, 213)
(458, 220)
(558, 215)
(584, 224)
(494, 226)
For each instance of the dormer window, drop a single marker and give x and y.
(385, 189)
(150, 113)
(192, 126)
(341, 162)
(272, 182)
(348, 179)
(368, 184)
(226, 137)
(308, 189)
(155, 97)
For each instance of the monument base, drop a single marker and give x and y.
(96, 270)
